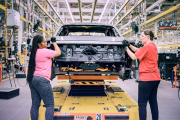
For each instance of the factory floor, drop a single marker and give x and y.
(18, 108)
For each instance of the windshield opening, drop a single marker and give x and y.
(89, 30)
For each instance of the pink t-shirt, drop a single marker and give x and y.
(43, 63)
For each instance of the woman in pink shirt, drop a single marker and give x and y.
(148, 73)
(39, 72)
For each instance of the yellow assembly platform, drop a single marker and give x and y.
(76, 101)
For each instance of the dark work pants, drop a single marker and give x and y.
(147, 91)
(41, 89)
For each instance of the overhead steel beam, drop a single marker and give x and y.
(147, 10)
(154, 5)
(164, 13)
(103, 10)
(125, 3)
(94, 6)
(2, 7)
(89, 17)
(166, 17)
(69, 11)
(80, 13)
(158, 16)
(45, 12)
(91, 1)
(54, 10)
(170, 45)
(164, 3)
(97, 10)
(140, 1)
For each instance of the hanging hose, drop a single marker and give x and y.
(18, 80)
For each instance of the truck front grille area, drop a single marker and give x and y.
(92, 59)
(91, 53)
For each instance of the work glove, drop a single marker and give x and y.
(53, 39)
(125, 44)
(140, 44)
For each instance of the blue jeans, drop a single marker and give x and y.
(147, 91)
(41, 89)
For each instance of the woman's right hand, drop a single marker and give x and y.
(53, 39)
(56, 47)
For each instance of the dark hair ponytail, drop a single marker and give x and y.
(31, 67)
(150, 33)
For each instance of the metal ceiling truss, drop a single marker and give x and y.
(67, 4)
(82, 10)
(158, 16)
(166, 17)
(45, 12)
(147, 10)
(35, 14)
(125, 3)
(107, 2)
(97, 10)
(140, 1)
(54, 10)
(87, 5)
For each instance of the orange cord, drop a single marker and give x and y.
(66, 69)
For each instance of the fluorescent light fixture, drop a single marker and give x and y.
(103, 10)
(69, 11)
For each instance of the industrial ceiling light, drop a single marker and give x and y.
(103, 11)
(69, 11)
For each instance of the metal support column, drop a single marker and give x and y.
(11, 35)
(27, 29)
(144, 14)
(20, 35)
(44, 27)
(5, 30)
(155, 32)
(115, 13)
(20, 31)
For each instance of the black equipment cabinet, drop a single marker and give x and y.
(166, 62)
(167, 58)
(166, 70)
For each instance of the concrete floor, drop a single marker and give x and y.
(18, 108)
